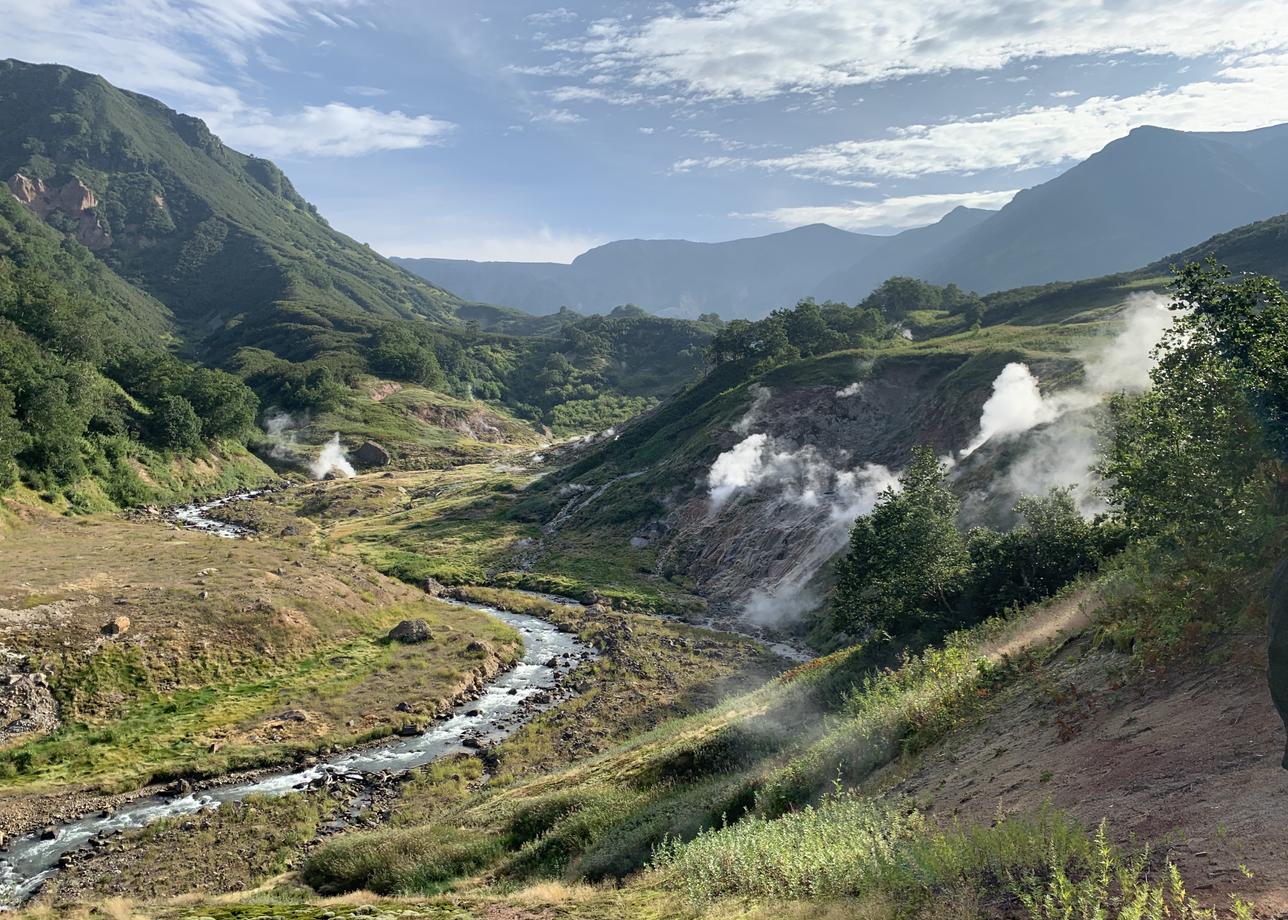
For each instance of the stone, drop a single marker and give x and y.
(478, 647)
(411, 632)
(369, 453)
(49, 833)
(116, 626)
(1278, 670)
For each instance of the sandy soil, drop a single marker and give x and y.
(1188, 760)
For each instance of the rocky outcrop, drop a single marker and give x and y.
(74, 201)
(411, 632)
(1278, 671)
(116, 626)
(472, 423)
(371, 454)
(26, 704)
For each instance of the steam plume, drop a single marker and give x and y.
(332, 459)
(1016, 405)
(1064, 448)
(809, 497)
(280, 429)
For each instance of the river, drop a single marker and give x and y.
(28, 861)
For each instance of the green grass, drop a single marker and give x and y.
(157, 734)
(858, 850)
(412, 860)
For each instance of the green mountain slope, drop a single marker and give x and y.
(1260, 247)
(220, 237)
(94, 409)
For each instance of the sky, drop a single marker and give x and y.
(520, 130)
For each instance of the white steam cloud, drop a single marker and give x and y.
(332, 459)
(854, 389)
(1065, 450)
(280, 429)
(825, 501)
(1016, 406)
(854, 494)
(759, 399)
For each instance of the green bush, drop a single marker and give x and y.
(416, 860)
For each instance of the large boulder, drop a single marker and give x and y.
(411, 632)
(1278, 671)
(369, 453)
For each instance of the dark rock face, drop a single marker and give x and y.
(371, 454)
(1279, 644)
(411, 631)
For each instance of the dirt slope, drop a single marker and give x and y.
(1188, 760)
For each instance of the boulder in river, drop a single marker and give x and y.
(411, 632)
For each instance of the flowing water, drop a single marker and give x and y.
(196, 516)
(28, 861)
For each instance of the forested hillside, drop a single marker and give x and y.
(90, 397)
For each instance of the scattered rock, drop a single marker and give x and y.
(411, 631)
(478, 647)
(116, 626)
(49, 833)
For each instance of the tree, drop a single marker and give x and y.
(898, 296)
(398, 354)
(225, 405)
(175, 425)
(807, 330)
(907, 560)
(10, 440)
(1052, 545)
(1190, 460)
(55, 426)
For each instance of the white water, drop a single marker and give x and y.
(28, 861)
(194, 516)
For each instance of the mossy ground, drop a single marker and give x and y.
(238, 653)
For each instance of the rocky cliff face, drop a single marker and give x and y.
(794, 473)
(70, 207)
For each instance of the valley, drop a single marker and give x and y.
(328, 590)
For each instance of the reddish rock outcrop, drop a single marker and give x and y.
(74, 200)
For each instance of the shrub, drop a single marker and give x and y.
(416, 860)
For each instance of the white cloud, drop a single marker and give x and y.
(895, 212)
(548, 17)
(540, 245)
(1250, 94)
(336, 129)
(176, 50)
(762, 48)
(557, 117)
